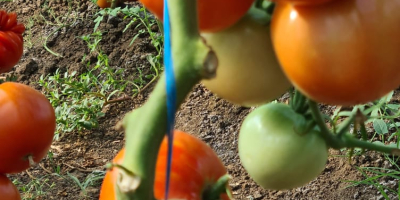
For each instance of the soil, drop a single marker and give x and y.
(203, 114)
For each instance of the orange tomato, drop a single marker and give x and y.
(27, 126)
(8, 191)
(195, 166)
(104, 3)
(344, 52)
(214, 15)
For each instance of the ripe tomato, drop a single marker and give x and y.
(8, 191)
(248, 72)
(195, 166)
(214, 15)
(27, 126)
(276, 156)
(11, 42)
(104, 3)
(344, 52)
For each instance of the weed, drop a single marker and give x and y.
(93, 179)
(35, 189)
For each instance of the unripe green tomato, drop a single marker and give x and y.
(248, 72)
(274, 154)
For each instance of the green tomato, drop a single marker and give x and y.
(274, 154)
(248, 71)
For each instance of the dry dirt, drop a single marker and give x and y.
(208, 117)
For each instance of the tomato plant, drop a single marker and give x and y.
(195, 167)
(248, 72)
(214, 15)
(274, 154)
(8, 191)
(11, 41)
(342, 52)
(27, 126)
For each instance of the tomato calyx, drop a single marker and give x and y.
(29, 157)
(213, 191)
(128, 182)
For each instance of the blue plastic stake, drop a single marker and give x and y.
(171, 92)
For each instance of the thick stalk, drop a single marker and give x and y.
(145, 127)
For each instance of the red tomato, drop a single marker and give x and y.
(27, 126)
(344, 52)
(8, 191)
(11, 42)
(195, 166)
(214, 15)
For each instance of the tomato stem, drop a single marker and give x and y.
(343, 140)
(351, 142)
(114, 3)
(31, 161)
(330, 139)
(218, 188)
(346, 125)
(145, 127)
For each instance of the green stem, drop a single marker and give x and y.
(114, 4)
(345, 140)
(330, 139)
(346, 125)
(218, 188)
(351, 142)
(145, 127)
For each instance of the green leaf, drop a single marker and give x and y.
(393, 106)
(397, 124)
(380, 126)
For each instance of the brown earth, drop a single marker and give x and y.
(210, 118)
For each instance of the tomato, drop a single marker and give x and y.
(11, 41)
(302, 2)
(195, 166)
(248, 72)
(8, 191)
(104, 3)
(107, 3)
(274, 154)
(214, 15)
(344, 52)
(27, 126)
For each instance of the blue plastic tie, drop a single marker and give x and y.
(171, 92)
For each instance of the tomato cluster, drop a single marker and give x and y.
(195, 168)
(27, 118)
(341, 52)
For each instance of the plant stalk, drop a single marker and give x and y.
(145, 127)
(342, 140)
(330, 139)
